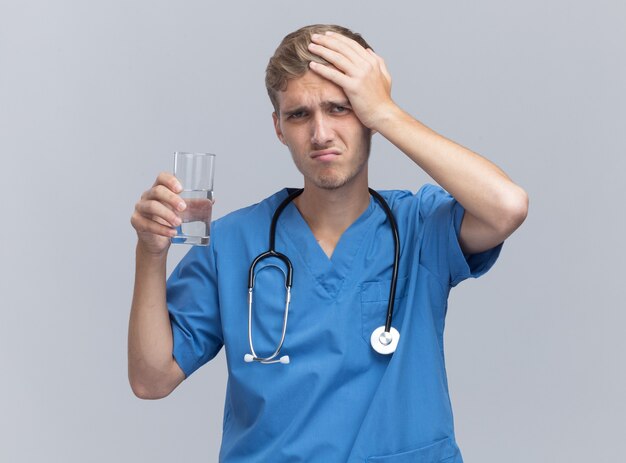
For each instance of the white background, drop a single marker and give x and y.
(96, 96)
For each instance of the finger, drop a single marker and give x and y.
(339, 60)
(345, 49)
(331, 74)
(169, 180)
(381, 65)
(340, 42)
(162, 221)
(144, 225)
(166, 196)
(154, 209)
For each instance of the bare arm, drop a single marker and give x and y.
(152, 371)
(494, 206)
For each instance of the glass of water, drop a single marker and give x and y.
(194, 171)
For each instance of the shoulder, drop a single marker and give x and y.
(255, 214)
(426, 200)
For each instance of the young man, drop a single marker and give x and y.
(337, 399)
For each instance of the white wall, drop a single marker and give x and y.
(96, 96)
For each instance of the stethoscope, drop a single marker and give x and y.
(384, 339)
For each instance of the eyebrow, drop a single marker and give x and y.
(331, 103)
(294, 110)
(325, 105)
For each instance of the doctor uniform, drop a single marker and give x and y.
(338, 400)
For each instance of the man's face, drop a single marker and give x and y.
(328, 143)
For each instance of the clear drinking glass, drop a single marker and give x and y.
(194, 171)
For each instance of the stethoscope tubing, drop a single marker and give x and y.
(396, 256)
(289, 278)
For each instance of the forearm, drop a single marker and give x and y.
(152, 370)
(482, 188)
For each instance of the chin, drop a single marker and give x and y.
(327, 179)
(330, 182)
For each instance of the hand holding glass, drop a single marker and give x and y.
(194, 171)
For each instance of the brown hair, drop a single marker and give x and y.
(291, 58)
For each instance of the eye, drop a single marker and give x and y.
(339, 109)
(296, 115)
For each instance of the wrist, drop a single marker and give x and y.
(144, 253)
(386, 115)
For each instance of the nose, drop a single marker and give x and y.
(321, 131)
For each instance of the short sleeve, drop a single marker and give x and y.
(441, 252)
(193, 306)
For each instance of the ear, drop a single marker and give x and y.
(279, 132)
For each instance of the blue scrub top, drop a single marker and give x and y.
(338, 400)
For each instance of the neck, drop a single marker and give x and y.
(330, 212)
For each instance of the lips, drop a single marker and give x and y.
(325, 155)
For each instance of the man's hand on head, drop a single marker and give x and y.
(360, 72)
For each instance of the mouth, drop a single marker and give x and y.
(325, 155)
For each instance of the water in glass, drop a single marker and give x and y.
(196, 218)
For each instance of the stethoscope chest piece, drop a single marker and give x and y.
(385, 342)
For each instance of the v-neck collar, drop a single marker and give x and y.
(330, 273)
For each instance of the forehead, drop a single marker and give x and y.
(309, 90)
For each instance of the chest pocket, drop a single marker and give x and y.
(443, 451)
(374, 300)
